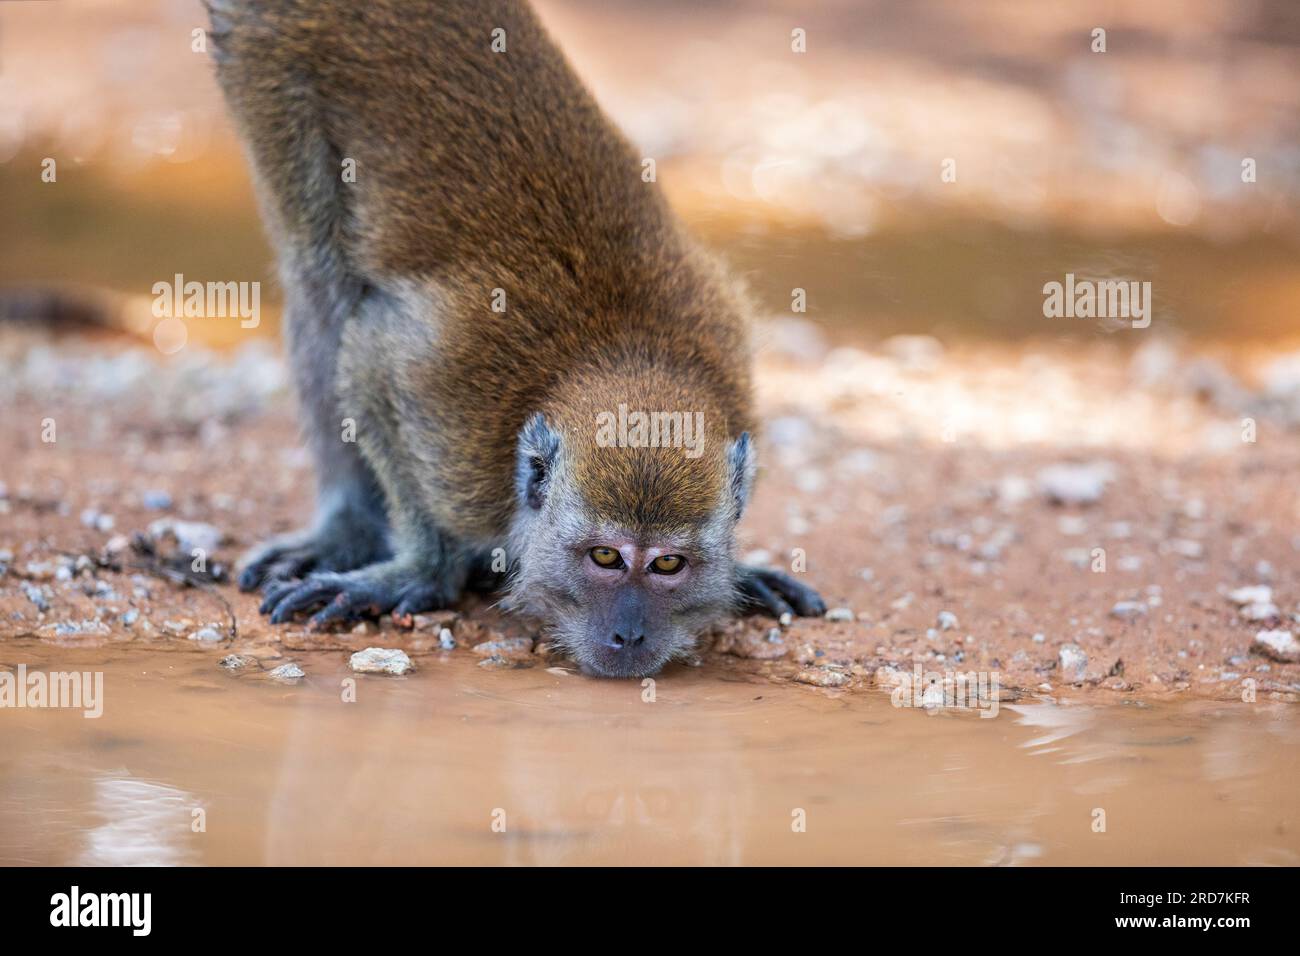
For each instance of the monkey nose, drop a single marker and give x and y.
(618, 642)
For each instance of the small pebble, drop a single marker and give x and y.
(840, 614)
(1073, 484)
(821, 677)
(36, 595)
(512, 647)
(92, 518)
(206, 635)
(1260, 612)
(1254, 594)
(287, 673)
(1280, 646)
(380, 660)
(156, 500)
(189, 535)
(1127, 610)
(947, 621)
(446, 639)
(1074, 662)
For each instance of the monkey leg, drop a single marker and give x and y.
(762, 589)
(305, 203)
(351, 527)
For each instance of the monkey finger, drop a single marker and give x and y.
(421, 598)
(257, 574)
(762, 596)
(308, 594)
(342, 609)
(276, 564)
(273, 592)
(251, 577)
(806, 601)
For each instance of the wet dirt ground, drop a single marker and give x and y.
(919, 488)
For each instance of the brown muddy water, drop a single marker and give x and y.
(454, 764)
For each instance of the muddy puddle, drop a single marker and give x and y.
(454, 764)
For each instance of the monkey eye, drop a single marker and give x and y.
(667, 564)
(607, 557)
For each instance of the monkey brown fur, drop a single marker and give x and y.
(488, 178)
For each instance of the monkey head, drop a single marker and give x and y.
(623, 548)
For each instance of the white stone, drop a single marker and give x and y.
(380, 660)
(1260, 612)
(287, 673)
(1073, 484)
(189, 535)
(1127, 610)
(1278, 645)
(1073, 662)
(1253, 594)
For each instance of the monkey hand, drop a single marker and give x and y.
(778, 593)
(344, 540)
(401, 586)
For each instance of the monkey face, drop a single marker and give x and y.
(621, 594)
(641, 604)
(622, 605)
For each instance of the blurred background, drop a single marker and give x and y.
(821, 170)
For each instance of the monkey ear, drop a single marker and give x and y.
(742, 465)
(537, 449)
